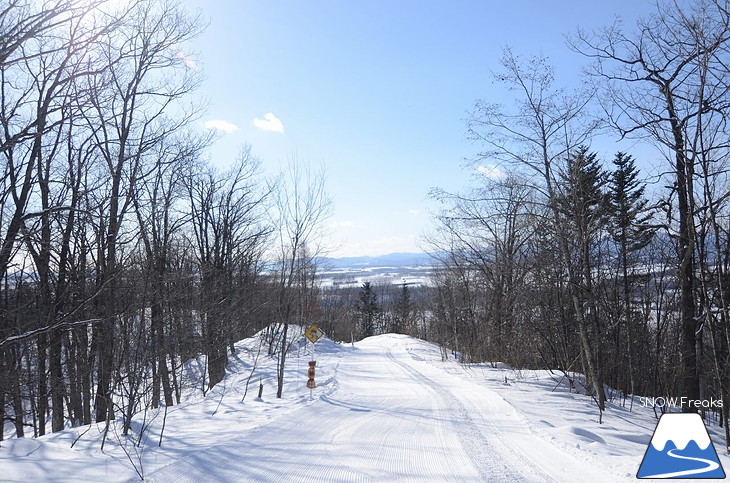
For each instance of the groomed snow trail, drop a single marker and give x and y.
(395, 415)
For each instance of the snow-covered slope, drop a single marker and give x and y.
(387, 409)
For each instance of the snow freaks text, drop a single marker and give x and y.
(683, 401)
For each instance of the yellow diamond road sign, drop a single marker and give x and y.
(313, 333)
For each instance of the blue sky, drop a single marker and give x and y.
(376, 91)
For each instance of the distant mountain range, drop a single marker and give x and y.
(390, 260)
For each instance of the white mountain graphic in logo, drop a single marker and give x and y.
(680, 448)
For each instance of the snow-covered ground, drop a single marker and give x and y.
(387, 409)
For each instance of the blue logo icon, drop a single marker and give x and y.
(680, 448)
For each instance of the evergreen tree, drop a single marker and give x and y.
(367, 305)
(629, 217)
(402, 310)
(628, 208)
(582, 207)
(582, 200)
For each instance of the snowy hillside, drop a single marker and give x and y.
(396, 268)
(387, 409)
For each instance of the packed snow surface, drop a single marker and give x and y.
(386, 409)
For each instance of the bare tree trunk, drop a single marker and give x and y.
(282, 361)
(14, 364)
(42, 345)
(684, 172)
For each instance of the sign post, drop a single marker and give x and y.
(313, 333)
(310, 374)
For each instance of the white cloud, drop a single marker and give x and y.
(187, 60)
(491, 171)
(221, 125)
(414, 212)
(269, 123)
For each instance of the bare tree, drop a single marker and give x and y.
(131, 102)
(543, 130)
(303, 207)
(228, 222)
(157, 197)
(489, 227)
(44, 52)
